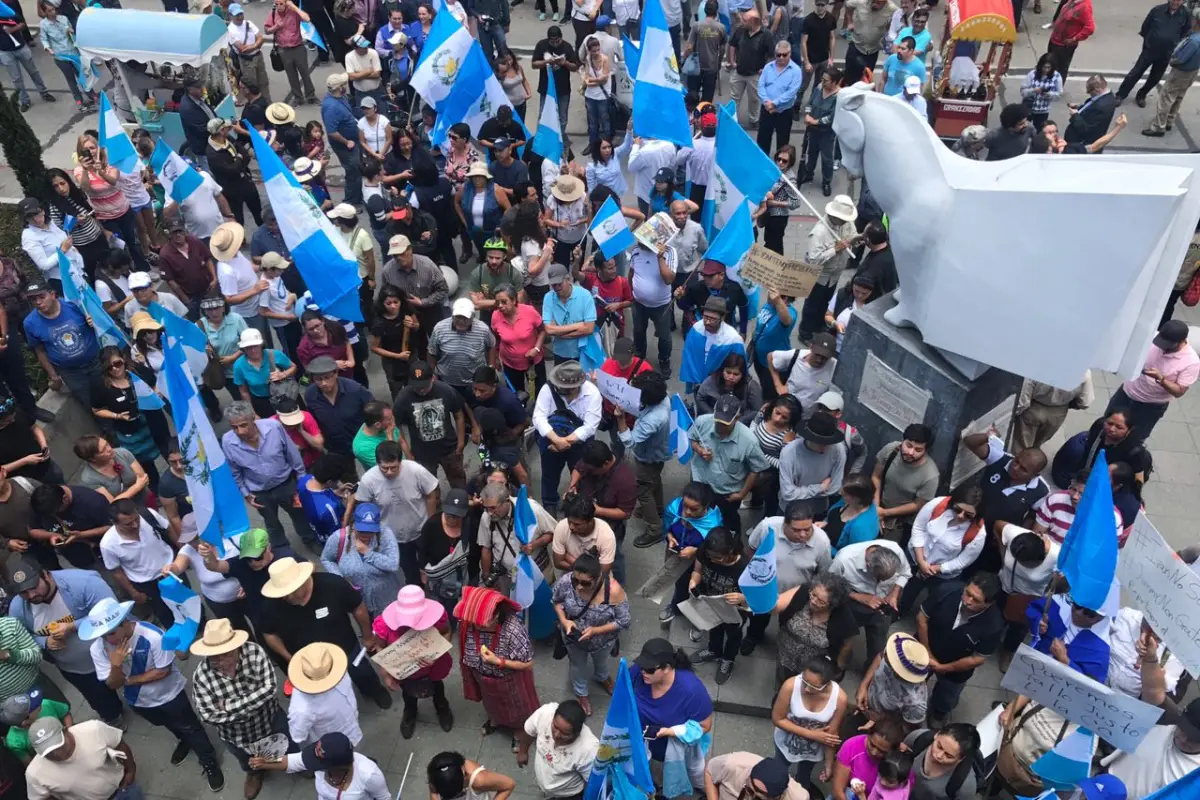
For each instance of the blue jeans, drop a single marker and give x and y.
(598, 120)
(350, 160)
(14, 60)
(552, 466)
(130, 792)
(492, 38)
(578, 670)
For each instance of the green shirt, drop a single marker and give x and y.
(17, 739)
(484, 281)
(364, 446)
(18, 673)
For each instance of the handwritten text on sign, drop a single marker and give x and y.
(1117, 718)
(784, 275)
(618, 392)
(1163, 588)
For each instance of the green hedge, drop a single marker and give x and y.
(10, 245)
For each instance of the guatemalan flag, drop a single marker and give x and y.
(632, 52)
(308, 32)
(703, 352)
(610, 231)
(681, 425)
(189, 335)
(185, 606)
(529, 577)
(741, 174)
(1069, 762)
(658, 109)
(548, 139)
(87, 74)
(621, 770)
(114, 138)
(70, 270)
(318, 249)
(442, 57)
(216, 501)
(147, 398)
(474, 99)
(758, 581)
(1088, 557)
(177, 177)
(730, 246)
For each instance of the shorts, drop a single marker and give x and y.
(149, 206)
(508, 454)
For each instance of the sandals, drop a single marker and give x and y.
(585, 704)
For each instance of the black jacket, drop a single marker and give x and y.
(1162, 29)
(1093, 121)
(229, 171)
(194, 115)
(419, 223)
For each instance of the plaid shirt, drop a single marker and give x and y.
(242, 707)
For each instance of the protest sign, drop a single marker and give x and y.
(618, 392)
(658, 231)
(1164, 589)
(785, 275)
(1115, 717)
(411, 652)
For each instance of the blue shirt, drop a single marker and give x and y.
(898, 71)
(580, 307)
(274, 460)
(660, 203)
(258, 380)
(324, 509)
(780, 86)
(1187, 54)
(650, 438)
(338, 118)
(68, 339)
(687, 699)
(770, 334)
(924, 38)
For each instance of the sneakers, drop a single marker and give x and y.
(666, 615)
(695, 634)
(253, 785)
(445, 718)
(724, 671)
(748, 646)
(408, 724)
(647, 539)
(179, 754)
(704, 656)
(541, 16)
(49, 98)
(216, 778)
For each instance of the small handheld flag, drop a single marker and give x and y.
(115, 140)
(308, 32)
(548, 138)
(528, 577)
(681, 424)
(185, 607)
(610, 231)
(1088, 558)
(621, 770)
(1069, 762)
(177, 177)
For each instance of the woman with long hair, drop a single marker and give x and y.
(397, 167)
(88, 236)
(325, 338)
(1042, 86)
(774, 427)
(605, 166)
(115, 404)
(101, 184)
(389, 330)
(521, 334)
(513, 80)
(113, 471)
(418, 31)
(731, 377)
(853, 518)
(147, 348)
(526, 235)
(597, 78)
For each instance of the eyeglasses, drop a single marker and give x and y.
(782, 159)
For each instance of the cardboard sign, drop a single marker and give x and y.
(785, 275)
(1115, 717)
(411, 652)
(1164, 589)
(618, 392)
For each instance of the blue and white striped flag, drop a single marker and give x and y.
(87, 75)
(226, 109)
(633, 53)
(529, 577)
(658, 109)
(442, 57)
(318, 249)
(730, 246)
(742, 174)
(115, 140)
(681, 425)
(1069, 762)
(216, 500)
(177, 177)
(475, 98)
(147, 398)
(548, 138)
(185, 607)
(76, 290)
(610, 231)
(308, 33)
(758, 581)
(621, 770)
(190, 336)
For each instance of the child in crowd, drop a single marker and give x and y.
(894, 782)
(716, 572)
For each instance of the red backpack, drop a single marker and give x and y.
(972, 531)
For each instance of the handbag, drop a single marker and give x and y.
(288, 387)
(276, 60)
(1191, 295)
(691, 66)
(213, 376)
(560, 642)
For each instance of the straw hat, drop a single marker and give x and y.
(305, 169)
(104, 618)
(567, 188)
(412, 609)
(907, 657)
(142, 321)
(219, 637)
(227, 240)
(317, 668)
(286, 576)
(280, 114)
(478, 169)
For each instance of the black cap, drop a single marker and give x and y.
(665, 175)
(1170, 334)
(772, 774)
(823, 344)
(36, 287)
(655, 653)
(502, 143)
(25, 575)
(727, 409)
(377, 208)
(456, 503)
(420, 376)
(330, 751)
(29, 206)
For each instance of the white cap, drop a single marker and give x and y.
(831, 400)
(140, 280)
(342, 211)
(251, 337)
(912, 84)
(463, 307)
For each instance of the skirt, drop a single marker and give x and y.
(140, 443)
(508, 701)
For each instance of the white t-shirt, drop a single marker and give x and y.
(275, 299)
(142, 558)
(1124, 674)
(134, 189)
(105, 293)
(1015, 578)
(148, 695)
(213, 585)
(1156, 763)
(236, 276)
(244, 35)
(93, 770)
(402, 500)
(560, 771)
(368, 61)
(649, 288)
(201, 214)
(805, 382)
(375, 135)
(165, 299)
(366, 782)
(311, 716)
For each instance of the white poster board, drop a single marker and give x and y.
(1115, 717)
(618, 392)
(1164, 589)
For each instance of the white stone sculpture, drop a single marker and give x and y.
(1044, 265)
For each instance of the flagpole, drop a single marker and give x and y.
(820, 217)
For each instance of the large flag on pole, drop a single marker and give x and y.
(318, 249)
(741, 174)
(115, 140)
(177, 177)
(444, 54)
(1186, 788)
(548, 138)
(528, 577)
(758, 581)
(658, 109)
(681, 425)
(189, 335)
(1088, 557)
(621, 770)
(474, 99)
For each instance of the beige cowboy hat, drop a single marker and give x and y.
(280, 114)
(907, 657)
(842, 207)
(227, 240)
(142, 321)
(305, 169)
(219, 637)
(567, 188)
(286, 575)
(317, 668)
(478, 169)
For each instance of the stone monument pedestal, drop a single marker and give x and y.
(890, 379)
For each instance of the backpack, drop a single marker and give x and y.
(972, 531)
(563, 420)
(958, 777)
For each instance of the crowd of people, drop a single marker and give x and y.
(482, 298)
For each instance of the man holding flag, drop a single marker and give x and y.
(727, 457)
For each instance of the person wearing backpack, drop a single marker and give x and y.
(943, 762)
(947, 537)
(566, 414)
(905, 479)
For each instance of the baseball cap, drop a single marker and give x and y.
(456, 503)
(46, 735)
(463, 307)
(912, 85)
(366, 517)
(29, 206)
(501, 143)
(710, 267)
(15, 709)
(398, 245)
(377, 209)
(235, 9)
(140, 280)
(36, 287)
(831, 401)
(360, 41)
(623, 348)
(342, 211)
(25, 575)
(1171, 333)
(665, 175)
(823, 344)
(556, 274)
(367, 102)
(419, 375)
(655, 653)
(176, 224)
(330, 751)
(727, 409)
(603, 21)
(254, 543)
(772, 774)
(216, 125)
(322, 365)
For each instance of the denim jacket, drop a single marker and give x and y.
(80, 589)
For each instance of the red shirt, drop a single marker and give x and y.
(518, 337)
(286, 27)
(617, 290)
(613, 368)
(1075, 23)
(309, 453)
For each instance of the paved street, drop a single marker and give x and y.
(1172, 497)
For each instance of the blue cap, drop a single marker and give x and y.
(1104, 787)
(602, 22)
(366, 518)
(235, 9)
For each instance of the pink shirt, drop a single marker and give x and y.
(286, 27)
(857, 758)
(1182, 367)
(518, 337)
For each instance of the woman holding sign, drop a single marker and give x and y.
(413, 611)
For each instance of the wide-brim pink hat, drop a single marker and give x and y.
(412, 609)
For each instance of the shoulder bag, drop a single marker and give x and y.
(288, 387)
(560, 639)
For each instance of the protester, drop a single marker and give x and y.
(433, 413)
(805, 374)
(727, 456)
(366, 554)
(807, 715)
(569, 312)
(1073, 23)
(592, 610)
(943, 762)
(779, 85)
(336, 403)
(89, 762)
(555, 59)
(947, 537)
(498, 541)
(856, 772)
(740, 774)
(896, 684)
(1173, 746)
(1185, 64)
(323, 699)
(811, 468)
(1130, 639)
(63, 341)
(284, 22)
(336, 768)
(406, 494)
(1072, 634)
(750, 49)
(1042, 86)
(451, 775)
(875, 573)
(730, 377)
(135, 550)
(868, 22)
(1042, 409)
(668, 694)
(460, 345)
(1012, 485)
(564, 748)
(412, 611)
(566, 415)
(339, 121)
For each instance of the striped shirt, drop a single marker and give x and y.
(1055, 512)
(771, 443)
(19, 671)
(460, 353)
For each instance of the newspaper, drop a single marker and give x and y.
(656, 232)
(411, 652)
(708, 611)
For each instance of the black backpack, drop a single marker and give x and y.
(964, 768)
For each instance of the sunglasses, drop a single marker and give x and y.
(115, 364)
(965, 514)
(651, 671)
(582, 584)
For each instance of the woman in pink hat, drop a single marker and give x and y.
(412, 610)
